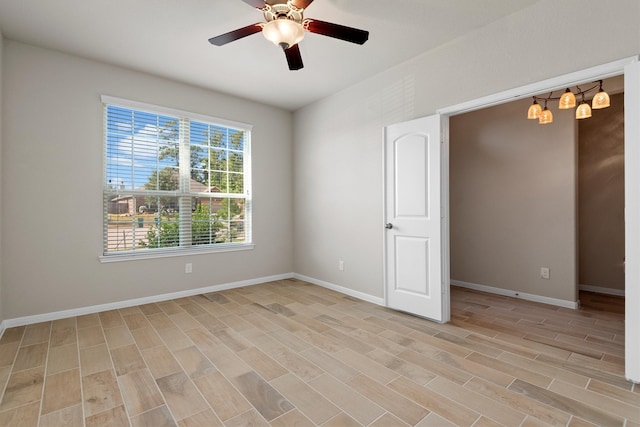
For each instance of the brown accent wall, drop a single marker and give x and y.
(601, 197)
(513, 200)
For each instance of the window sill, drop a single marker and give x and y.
(170, 253)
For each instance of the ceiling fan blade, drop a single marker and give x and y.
(294, 59)
(234, 35)
(337, 31)
(302, 4)
(258, 4)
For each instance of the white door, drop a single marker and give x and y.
(413, 218)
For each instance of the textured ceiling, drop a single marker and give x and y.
(169, 38)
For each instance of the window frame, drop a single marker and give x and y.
(182, 115)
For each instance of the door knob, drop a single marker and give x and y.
(388, 226)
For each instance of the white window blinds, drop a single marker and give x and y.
(173, 180)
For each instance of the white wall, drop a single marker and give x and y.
(1, 247)
(513, 187)
(52, 186)
(338, 154)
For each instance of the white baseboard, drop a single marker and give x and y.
(601, 290)
(28, 320)
(341, 289)
(517, 294)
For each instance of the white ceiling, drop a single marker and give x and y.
(169, 38)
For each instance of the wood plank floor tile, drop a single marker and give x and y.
(347, 399)
(90, 336)
(67, 417)
(226, 361)
(341, 420)
(61, 391)
(63, 332)
(4, 377)
(434, 420)
(118, 336)
(136, 321)
(533, 407)
(366, 365)
(203, 419)
(115, 417)
(435, 402)
(477, 402)
(315, 407)
(87, 321)
(160, 361)
(264, 398)
(23, 387)
(184, 321)
(11, 335)
(160, 321)
(110, 319)
(146, 338)
(193, 362)
(31, 356)
(23, 416)
(8, 353)
(157, 417)
(182, 396)
(174, 338)
(330, 364)
(251, 418)
(614, 392)
(264, 365)
(292, 418)
(222, 396)
(510, 370)
(476, 369)
(294, 363)
(388, 399)
(566, 404)
(127, 359)
(140, 392)
(101, 392)
(36, 333)
(95, 359)
(436, 367)
(594, 400)
(332, 360)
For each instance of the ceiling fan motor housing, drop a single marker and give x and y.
(282, 11)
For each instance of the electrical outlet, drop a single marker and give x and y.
(188, 268)
(340, 265)
(544, 273)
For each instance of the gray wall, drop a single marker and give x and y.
(601, 197)
(52, 186)
(338, 152)
(513, 186)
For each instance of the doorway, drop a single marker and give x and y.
(630, 67)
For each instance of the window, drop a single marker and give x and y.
(173, 181)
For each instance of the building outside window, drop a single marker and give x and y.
(173, 181)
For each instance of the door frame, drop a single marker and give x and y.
(632, 178)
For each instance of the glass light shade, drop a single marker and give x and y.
(567, 100)
(601, 100)
(546, 117)
(583, 111)
(534, 111)
(283, 32)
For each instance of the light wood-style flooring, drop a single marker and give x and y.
(289, 353)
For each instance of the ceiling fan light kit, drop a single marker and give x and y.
(285, 26)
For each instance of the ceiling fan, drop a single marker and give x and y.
(285, 26)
